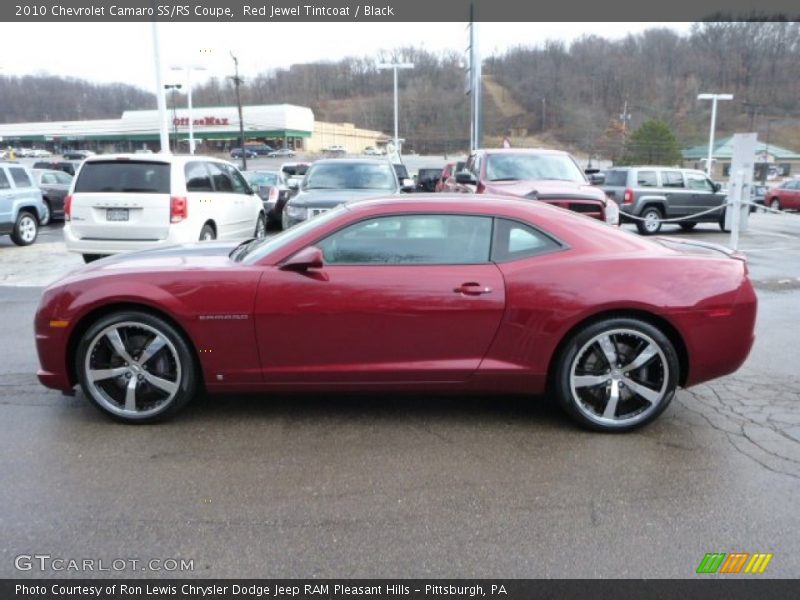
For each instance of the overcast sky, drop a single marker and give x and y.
(106, 52)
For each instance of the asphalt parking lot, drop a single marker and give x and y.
(399, 486)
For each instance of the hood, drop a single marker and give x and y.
(332, 198)
(545, 190)
(183, 256)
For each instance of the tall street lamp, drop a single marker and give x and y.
(713, 98)
(394, 67)
(189, 69)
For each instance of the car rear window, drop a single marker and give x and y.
(617, 177)
(127, 176)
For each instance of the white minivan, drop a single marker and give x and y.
(124, 202)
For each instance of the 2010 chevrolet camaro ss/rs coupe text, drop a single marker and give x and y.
(425, 293)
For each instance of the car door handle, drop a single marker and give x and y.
(472, 289)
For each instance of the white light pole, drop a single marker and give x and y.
(162, 102)
(713, 98)
(394, 67)
(189, 69)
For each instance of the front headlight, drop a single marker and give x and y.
(296, 212)
(612, 213)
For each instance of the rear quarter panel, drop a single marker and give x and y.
(550, 295)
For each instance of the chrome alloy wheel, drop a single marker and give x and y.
(619, 377)
(27, 228)
(132, 370)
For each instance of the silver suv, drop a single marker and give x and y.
(656, 193)
(21, 204)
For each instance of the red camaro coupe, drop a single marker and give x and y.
(416, 293)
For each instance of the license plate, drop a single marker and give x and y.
(117, 214)
(315, 212)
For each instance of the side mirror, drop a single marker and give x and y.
(292, 184)
(407, 185)
(717, 187)
(465, 177)
(307, 258)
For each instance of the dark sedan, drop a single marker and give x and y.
(55, 187)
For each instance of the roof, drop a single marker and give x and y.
(723, 149)
(209, 122)
(521, 151)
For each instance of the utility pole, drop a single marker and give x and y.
(237, 81)
(174, 87)
(544, 113)
(476, 128)
(162, 103)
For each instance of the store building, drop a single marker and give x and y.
(216, 129)
(771, 161)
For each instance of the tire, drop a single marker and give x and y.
(207, 233)
(26, 229)
(48, 213)
(584, 382)
(721, 221)
(775, 204)
(124, 385)
(687, 226)
(87, 258)
(652, 223)
(261, 227)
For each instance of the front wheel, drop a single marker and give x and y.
(26, 229)
(135, 367)
(617, 374)
(775, 204)
(651, 221)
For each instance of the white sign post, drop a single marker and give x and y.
(740, 184)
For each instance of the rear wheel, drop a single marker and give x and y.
(207, 233)
(26, 229)
(135, 367)
(651, 223)
(617, 374)
(261, 227)
(688, 226)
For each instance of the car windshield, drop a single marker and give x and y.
(253, 251)
(340, 175)
(512, 167)
(262, 178)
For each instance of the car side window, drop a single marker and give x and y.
(47, 178)
(672, 179)
(411, 240)
(222, 180)
(699, 182)
(514, 240)
(646, 179)
(239, 184)
(4, 183)
(20, 177)
(197, 177)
